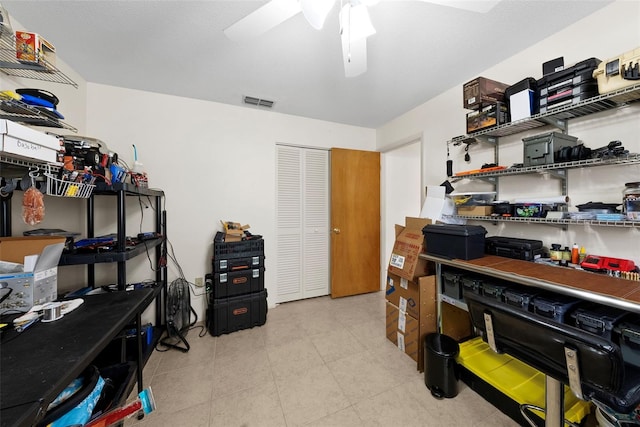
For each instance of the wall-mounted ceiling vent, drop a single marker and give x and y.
(258, 102)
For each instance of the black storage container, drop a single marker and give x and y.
(228, 250)
(237, 282)
(494, 290)
(452, 284)
(598, 319)
(554, 306)
(455, 241)
(235, 264)
(440, 368)
(226, 315)
(628, 334)
(521, 298)
(512, 247)
(471, 284)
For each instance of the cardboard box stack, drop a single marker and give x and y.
(410, 292)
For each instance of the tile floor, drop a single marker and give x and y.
(316, 362)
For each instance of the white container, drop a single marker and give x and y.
(24, 142)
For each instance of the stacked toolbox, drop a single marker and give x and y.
(568, 86)
(237, 298)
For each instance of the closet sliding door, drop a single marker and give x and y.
(302, 218)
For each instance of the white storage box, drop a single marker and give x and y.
(24, 142)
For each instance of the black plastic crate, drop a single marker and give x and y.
(598, 319)
(221, 265)
(628, 334)
(226, 315)
(521, 298)
(244, 248)
(452, 284)
(554, 306)
(238, 282)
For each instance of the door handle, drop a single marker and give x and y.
(336, 230)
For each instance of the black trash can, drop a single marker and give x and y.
(440, 372)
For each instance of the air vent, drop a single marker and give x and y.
(258, 102)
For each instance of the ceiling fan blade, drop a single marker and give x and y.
(262, 20)
(480, 6)
(354, 53)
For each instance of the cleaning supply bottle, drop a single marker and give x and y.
(582, 255)
(575, 254)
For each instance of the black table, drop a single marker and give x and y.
(39, 363)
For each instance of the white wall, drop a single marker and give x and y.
(605, 34)
(213, 161)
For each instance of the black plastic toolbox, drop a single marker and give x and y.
(511, 247)
(494, 290)
(452, 284)
(222, 265)
(628, 333)
(520, 297)
(454, 241)
(238, 282)
(554, 306)
(598, 319)
(226, 315)
(471, 284)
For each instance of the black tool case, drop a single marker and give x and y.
(454, 241)
(582, 72)
(226, 315)
(512, 247)
(628, 334)
(520, 297)
(598, 319)
(238, 282)
(554, 306)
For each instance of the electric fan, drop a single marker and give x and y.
(178, 315)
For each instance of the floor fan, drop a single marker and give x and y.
(178, 315)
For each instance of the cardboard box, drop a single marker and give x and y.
(403, 330)
(31, 48)
(27, 143)
(419, 298)
(409, 244)
(456, 322)
(482, 90)
(29, 266)
(475, 210)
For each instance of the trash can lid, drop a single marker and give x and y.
(442, 345)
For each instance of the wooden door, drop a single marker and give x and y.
(355, 222)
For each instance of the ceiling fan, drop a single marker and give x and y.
(355, 24)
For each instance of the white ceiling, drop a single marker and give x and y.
(178, 48)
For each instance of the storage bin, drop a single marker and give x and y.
(628, 334)
(454, 241)
(245, 248)
(471, 284)
(237, 282)
(226, 315)
(520, 298)
(221, 265)
(554, 306)
(598, 319)
(452, 284)
(540, 149)
(494, 290)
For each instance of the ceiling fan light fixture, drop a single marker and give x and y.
(316, 11)
(355, 22)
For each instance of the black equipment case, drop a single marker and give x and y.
(511, 247)
(226, 315)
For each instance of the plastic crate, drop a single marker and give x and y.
(244, 248)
